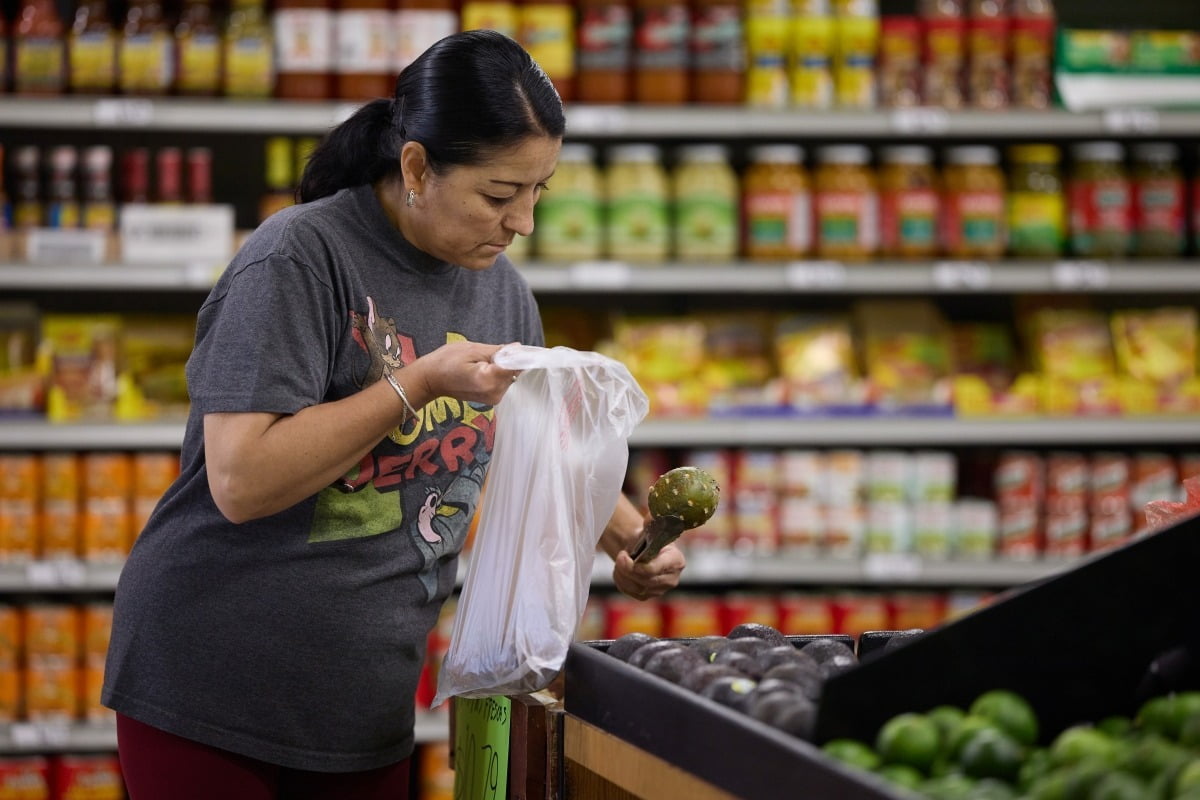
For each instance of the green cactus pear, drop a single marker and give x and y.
(689, 493)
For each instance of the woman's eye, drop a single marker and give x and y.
(497, 201)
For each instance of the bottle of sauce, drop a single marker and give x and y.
(304, 147)
(135, 175)
(846, 203)
(1158, 201)
(279, 179)
(812, 51)
(419, 24)
(92, 50)
(718, 52)
(973, 203)
(636, 195)
(776, 204)
(661, 36)
(546, 29)
(1036, 206)
(304, 47)
(568, 217)
(199, 175)
(27, 211)
(605, 51)
(491, 15)
(363, 55)
(62, 198)
(248, 51)
(1101, 215)
(146, 57)
(197, 50)
(768, 47)
(99, 205)
(39, 64)
(908, 203)
(704, 191)
(168, 171)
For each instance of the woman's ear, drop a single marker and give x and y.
(413, 163)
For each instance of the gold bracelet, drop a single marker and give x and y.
(400, 391)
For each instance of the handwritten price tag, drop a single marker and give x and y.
(481, 735)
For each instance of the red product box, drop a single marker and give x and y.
(687, 616)
(87, 777)
(626, 615)
(804, 613)
(741, 608)
(909, 610)
(24, 778)
(855, 613)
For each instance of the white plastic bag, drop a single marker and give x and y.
(557, 468)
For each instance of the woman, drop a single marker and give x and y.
(269, 625)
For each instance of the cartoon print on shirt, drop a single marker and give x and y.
(435, 463)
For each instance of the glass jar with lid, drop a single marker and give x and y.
(568, 224)
(1158, 200)
(846, 203)
(908, 202)
(1101, 221)
(636, 196)
(704, 192)
(973, 203)
(1036, 206)
(776, 204)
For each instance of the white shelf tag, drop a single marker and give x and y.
(892, 566)
(600, 275)
(25, 735)
(1080, 274)
(600, 119)
(921, 120)
(174, 234)
(55, 733)
(66, 246)
(1132, 120)
(71, 573)
(41, 574)
(124, 112)
(974, 275)
(815, 275)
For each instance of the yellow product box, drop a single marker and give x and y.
(1064, 397)
(11, 640)
(92, 684)
(152, 383)
(975, 397)
(1144, 398)
(78, 356)
(10, 693)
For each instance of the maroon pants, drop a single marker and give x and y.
(159, 766)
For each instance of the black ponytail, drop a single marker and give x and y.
(468, 95)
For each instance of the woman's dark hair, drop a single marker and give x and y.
(467, 96)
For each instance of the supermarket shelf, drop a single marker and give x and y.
(806, 277)
(64, 737)
(588, 121)
(761, 431)
(59, 576)
(721, 568)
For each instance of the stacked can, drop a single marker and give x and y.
(107, 499)
(52, 647)
(20, 495)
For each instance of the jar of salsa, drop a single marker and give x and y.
(717, 51)
(568, 219)
(39, 64)
(1158, 201)
(908, 202)
(704, 190)
(846, 203)
(303, 31)
(1036, 207)
(1101, 217)
(605, 51)
(635, 192)
(776, 204)
(973, 207)
(661, 36)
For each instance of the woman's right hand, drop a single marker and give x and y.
(462, 370)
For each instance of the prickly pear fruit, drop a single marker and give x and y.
(689, 493)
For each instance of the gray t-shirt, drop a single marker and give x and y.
(298, 638)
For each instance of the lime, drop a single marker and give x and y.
(1151, 755)
(992, 789)
(991, 753)
(954, 786)
(1166, 715)
(1189, 734)
(1083, 743)
(909, 738)
(1188, 776)
(1115, 726)
(967, 728)
(947, 718)
(1011, 713)
(1118, 786)
(852, 752)
(902, 775)
(1035, 765)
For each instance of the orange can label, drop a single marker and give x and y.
(97, 628)
(106, 535)
(18, 530)
(52, 631)
(19, 476)
(10, 693)
(60, 529)
(51, 689)
(60, 476)
(107, 475)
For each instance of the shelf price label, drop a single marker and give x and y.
(171, 234)
(1132, 120)
(600, 275)
(597, 120)
(66, 246)
(1079, 275)
(815, 275)
(968, 275)
(892, 567)
(123, 112)
(481, 737)
(920, 120)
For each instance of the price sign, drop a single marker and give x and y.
(816, 275)
(892, 566)
(1132, 120)
(921, 120)
(973, 275)
(66, 246)
(170, 234)
(481, 735)
(601, 275)
(127, 113)
(1080, 275)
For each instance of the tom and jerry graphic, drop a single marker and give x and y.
(433, 465)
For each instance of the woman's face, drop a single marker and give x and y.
(468, 215)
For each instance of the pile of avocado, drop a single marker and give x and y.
(990, 751)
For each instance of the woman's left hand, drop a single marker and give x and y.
(653, 578)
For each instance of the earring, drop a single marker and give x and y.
(411, 199)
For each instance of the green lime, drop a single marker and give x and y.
(902, 775)
(1188, 776)
(1011, 713)
(1189, 734)
(909, 738)
(992, 789)
(1118, 786)
(1083, 743)
(1115, 726)
(1167, 714)
(991, 753)
(1036, 764)
(1151, 755)
(953, 786)
(947, 718)
(852, 752)
(968, 727)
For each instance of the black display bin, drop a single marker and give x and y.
(1094, 640)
